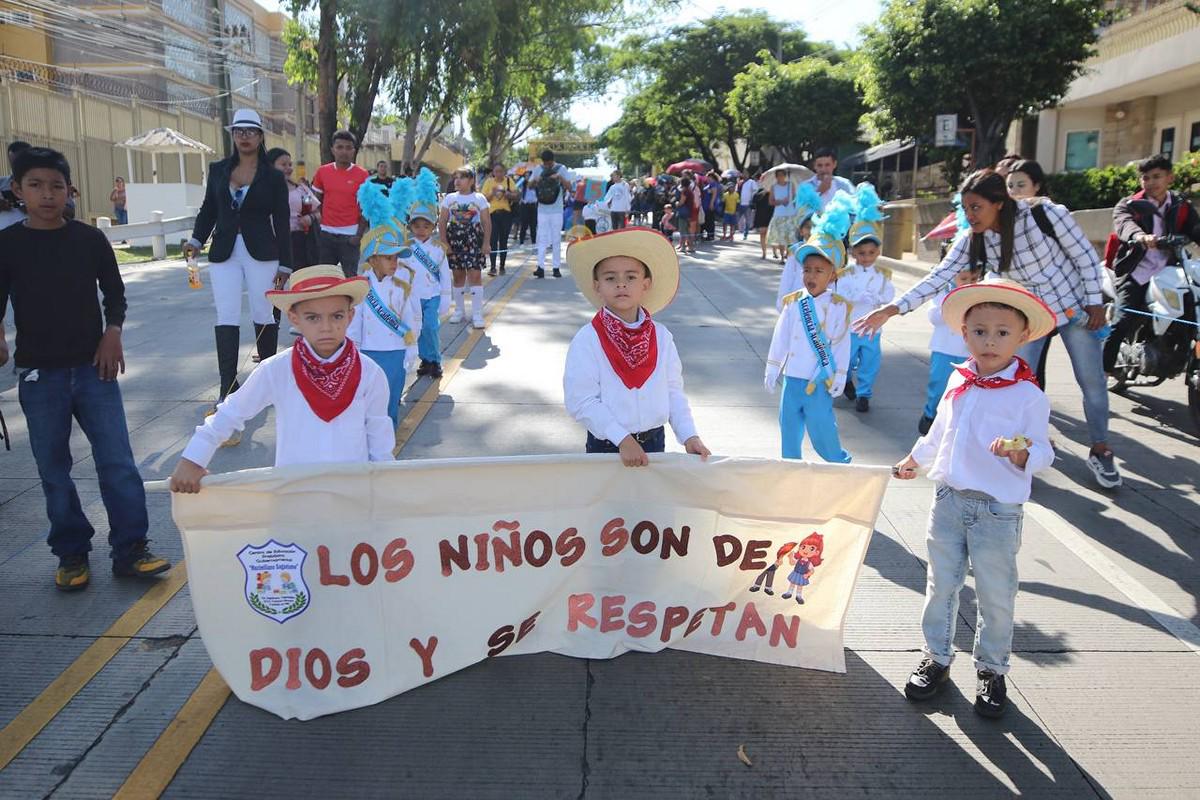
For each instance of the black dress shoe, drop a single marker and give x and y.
(435, 369)
(557, 274)
(849, 392)
(539, 273)
(423, 368)
(927, 680)
(991, 694)
(925, 424)
(862, 404)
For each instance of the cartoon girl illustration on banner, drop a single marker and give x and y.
(768, 574)
(806, 557)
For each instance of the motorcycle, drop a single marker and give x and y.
(1168, 344)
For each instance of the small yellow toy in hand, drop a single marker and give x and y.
(1017, 442)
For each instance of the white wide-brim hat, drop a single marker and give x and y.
(322, 280)
(245, 118)
(646, 245)
(999, 290)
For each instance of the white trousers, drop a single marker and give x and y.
(549, 234)
(228, 278)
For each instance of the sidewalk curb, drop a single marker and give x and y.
(916, 269)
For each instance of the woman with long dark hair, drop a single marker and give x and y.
(245, 210)
(1058, 264)
(304, 212)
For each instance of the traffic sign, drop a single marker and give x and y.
(946, 130)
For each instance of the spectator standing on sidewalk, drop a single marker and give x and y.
(745, 205)
(342, 224)
(303, 211)
(117, 198)
(551, 182)
(529, 208)
(618, 200)
(501, 193)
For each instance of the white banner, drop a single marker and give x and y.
(320, 589)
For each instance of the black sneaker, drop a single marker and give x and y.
(435, 369)
(927, 680)
(862, 404)
(423, 369)
(502, 270)
(924, 425)
(991, 694)
(539, 273)
(557, 274)
(72, 574)
(1104, 469)
(849, 392)
(492, 272)
(141, 563)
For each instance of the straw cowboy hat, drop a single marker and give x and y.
(646, 245)
(322, 280)
(999, 290)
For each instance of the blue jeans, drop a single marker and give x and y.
(966, 526)
(1087, 362)
(745, 217)
(799, 410)
(941, 367)
(50, 402)
(429, 343)
(652, 441)
(866, 354)
(392, 364)
(122, 216)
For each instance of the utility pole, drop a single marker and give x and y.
(220, 71)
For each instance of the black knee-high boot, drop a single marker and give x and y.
(267, 338)
(228, 340)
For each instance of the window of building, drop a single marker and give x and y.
(1194, 139)
(1166, 142)
(22, 18)
(1083, 150)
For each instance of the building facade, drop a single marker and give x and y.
(1140, 94)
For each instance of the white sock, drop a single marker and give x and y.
(477, 301)
(460, 298)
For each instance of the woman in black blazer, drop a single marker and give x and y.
(246, 211)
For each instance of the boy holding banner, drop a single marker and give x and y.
(623, 378)
(386, 332)
(990, 435)
(330, 403)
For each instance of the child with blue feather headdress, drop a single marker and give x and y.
(838, 213)
(866, 285)
(810, 348)
(386, 328)
(946, 345)
(428, 259)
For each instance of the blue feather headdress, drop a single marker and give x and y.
(401, 197)
(807, 202)
(829, 232)
(374, 204)
(426, 187)
(867, 204)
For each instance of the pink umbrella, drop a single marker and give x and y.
(944, 229)
(694, 164)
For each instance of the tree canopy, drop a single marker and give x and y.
(989, 61)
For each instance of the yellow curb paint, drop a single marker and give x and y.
(158, 766)
(35, 716)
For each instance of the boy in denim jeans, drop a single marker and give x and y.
(990, 435)
(68, 357)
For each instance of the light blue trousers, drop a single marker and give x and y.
(941, 367)
(798, 411)
(429, 344)
(966, 527)
(866, 354)
(392, 364)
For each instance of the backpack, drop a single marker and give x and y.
(1119, 255)
(547, 191)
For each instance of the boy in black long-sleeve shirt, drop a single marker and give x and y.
(67, 359)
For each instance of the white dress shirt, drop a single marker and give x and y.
(792, 355)
(749, 187)
(866, 288)
(618, 198)
(955, 451)
(944, 340)
(596, 397)
(363, 432)
(369, 332)
(428, 286)
(836, 184)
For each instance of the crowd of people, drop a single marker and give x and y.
(363, 266)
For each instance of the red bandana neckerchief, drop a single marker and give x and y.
(632, 352)
(328, 388)
(1023, 373)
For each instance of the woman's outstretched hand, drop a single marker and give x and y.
(872, 323)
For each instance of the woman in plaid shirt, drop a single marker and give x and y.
(1062, 269)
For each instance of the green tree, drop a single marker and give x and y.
(688, 71)
(989, 61)
(641, 137)
(796, 107)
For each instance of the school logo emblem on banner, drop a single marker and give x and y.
(275, 584)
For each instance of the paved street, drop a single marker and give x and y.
(1104, 675)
